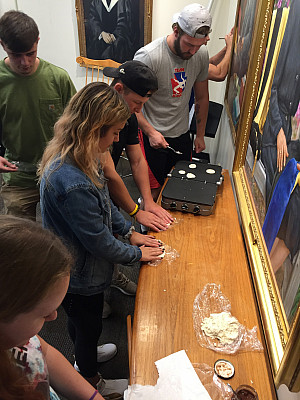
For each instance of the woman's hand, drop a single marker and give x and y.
(137, 239)
(150, 253)
(282, 152)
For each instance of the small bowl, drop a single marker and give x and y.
(224, 369)
(246, 392)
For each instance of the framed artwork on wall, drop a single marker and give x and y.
(266, 175)
(113, 29)
(247, 18)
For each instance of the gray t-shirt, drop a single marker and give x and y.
(168, 109)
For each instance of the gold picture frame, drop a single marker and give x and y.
(142, 9)
(282, 339)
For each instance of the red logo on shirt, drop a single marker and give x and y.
(178, 82)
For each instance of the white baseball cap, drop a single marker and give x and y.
(193, 17)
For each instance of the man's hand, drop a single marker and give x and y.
(228, 38)
(108, 38)
(157, 140)
(282, 152)
(160, 212)
(6, 166)
(152, 221)
(199, 144)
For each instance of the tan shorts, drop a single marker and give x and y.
(20, 201)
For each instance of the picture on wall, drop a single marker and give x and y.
(273, 157)
(244, 27)
(113, 29)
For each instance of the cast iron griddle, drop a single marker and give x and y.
(196, 195)
(199, 171)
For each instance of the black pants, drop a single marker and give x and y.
(85, 327)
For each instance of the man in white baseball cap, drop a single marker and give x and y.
(180, 62)
(194, 17)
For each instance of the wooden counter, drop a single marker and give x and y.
(211, 250)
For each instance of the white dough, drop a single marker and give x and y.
(222, 326)
(181, 172)
(190, 176)
(210, 171)
(192, 166)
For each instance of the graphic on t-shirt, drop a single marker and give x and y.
(31, 360)
(178, 82)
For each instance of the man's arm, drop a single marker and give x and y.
(156, 139)
(140, 174)
(219, 63)
(201, 111)
(121, 197)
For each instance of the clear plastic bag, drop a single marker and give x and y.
(176, 221)
(215, 387)
(170, 255)
(212, 301)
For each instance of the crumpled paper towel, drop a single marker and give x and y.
(177, 381)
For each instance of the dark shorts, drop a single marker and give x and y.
(161, 161)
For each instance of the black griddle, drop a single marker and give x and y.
(196, 195)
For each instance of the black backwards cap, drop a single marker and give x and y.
(135, 75)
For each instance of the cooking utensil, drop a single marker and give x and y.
(175, 151)
(234, 392)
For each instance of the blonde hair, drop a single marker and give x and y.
(86, 119)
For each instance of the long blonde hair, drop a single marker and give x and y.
(32, 261)
(91, 111)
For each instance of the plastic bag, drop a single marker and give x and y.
(215, 387)
(212, 301)
(176, 221)
(170, 255)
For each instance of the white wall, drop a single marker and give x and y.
(58, 44)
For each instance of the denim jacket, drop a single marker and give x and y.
(85, 218)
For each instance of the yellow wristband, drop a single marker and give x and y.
(136, 209)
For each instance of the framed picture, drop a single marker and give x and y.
(247, 16)
(113, 29)
(265, 174)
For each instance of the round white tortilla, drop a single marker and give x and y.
(192, 166)
(181, 172)
(210, 171)
(190, 176)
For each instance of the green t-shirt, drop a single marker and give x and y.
(29, 108)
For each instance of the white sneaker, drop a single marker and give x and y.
(112, 386)
(105, 352)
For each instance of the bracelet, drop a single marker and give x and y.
(136, 209)
(129, 233)
(94, 395)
